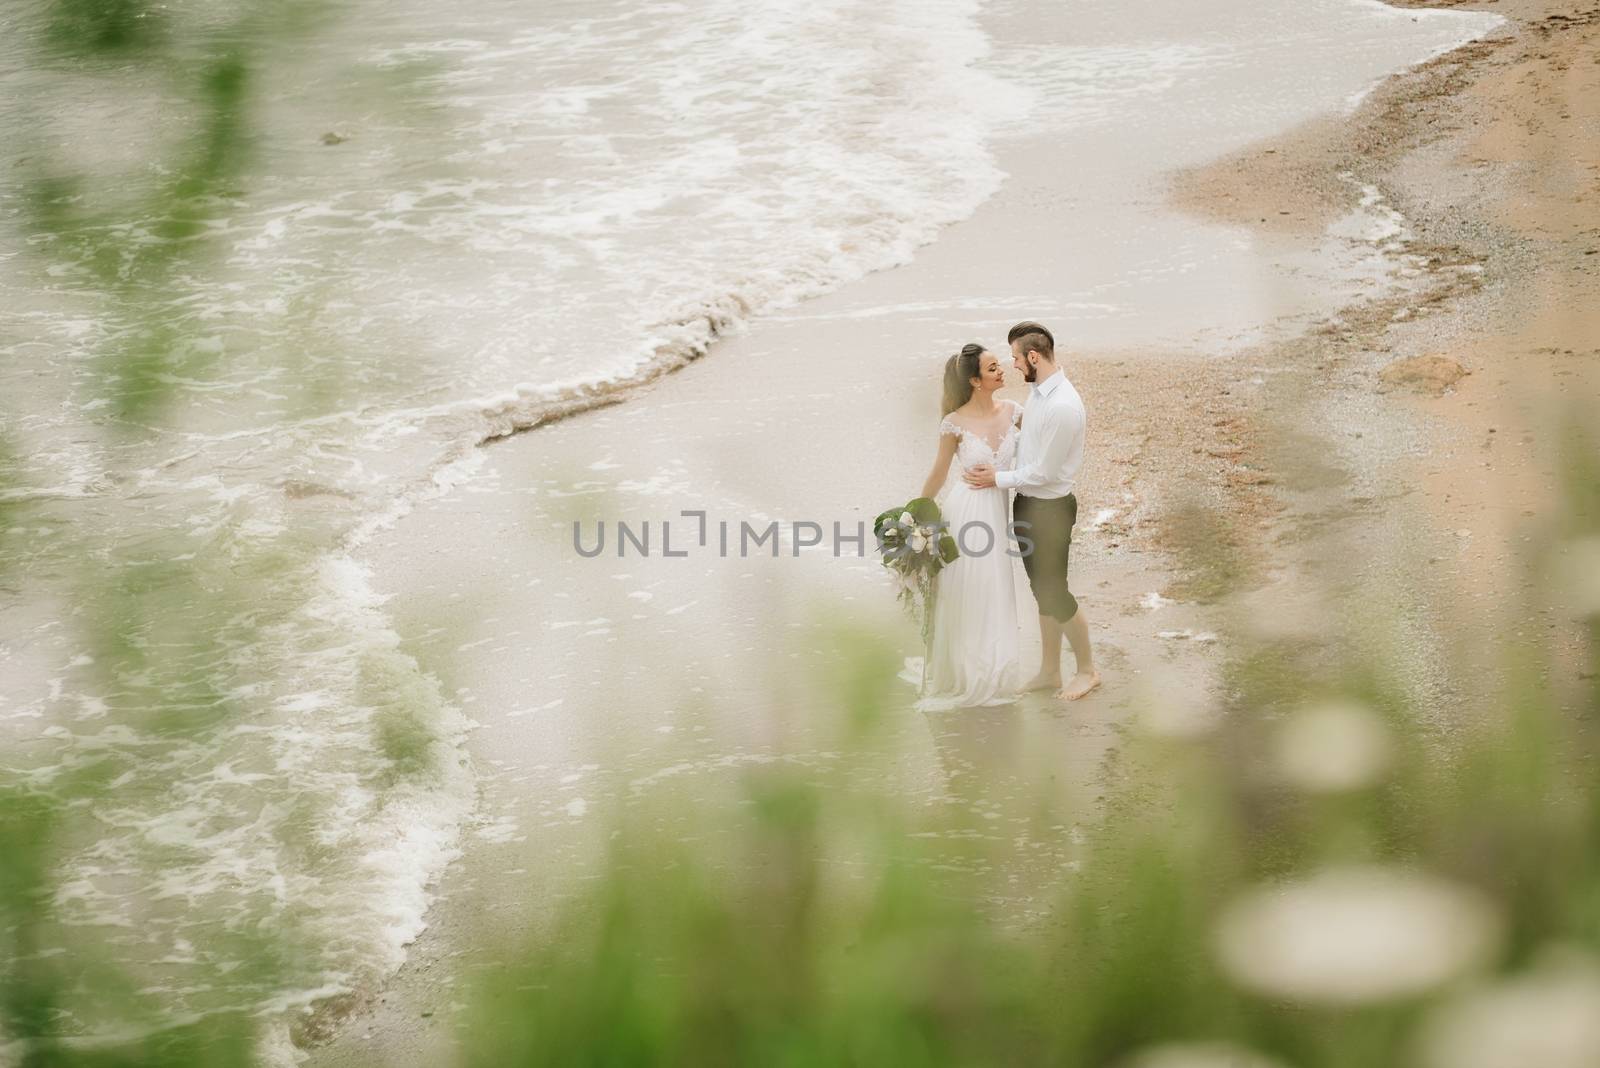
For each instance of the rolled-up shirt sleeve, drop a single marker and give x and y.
(1063, 425)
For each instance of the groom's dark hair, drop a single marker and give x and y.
(1034, 338)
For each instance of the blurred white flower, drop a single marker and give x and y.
(1328, 748)
(1548, 1019)
(1353, 935)
(907, 520)
(1580, 574)
(918, 541)
(1199, 1055)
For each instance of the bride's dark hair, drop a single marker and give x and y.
(959, 371)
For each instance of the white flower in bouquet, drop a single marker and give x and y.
(906, 520)
(919, 541)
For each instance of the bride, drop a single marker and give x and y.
(975, 657)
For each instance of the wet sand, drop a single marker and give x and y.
(1308, 463)
(1409, 446)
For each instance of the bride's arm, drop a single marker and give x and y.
(941, 464)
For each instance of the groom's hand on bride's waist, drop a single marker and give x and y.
(979, 476)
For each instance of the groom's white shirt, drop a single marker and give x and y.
(1050, 453)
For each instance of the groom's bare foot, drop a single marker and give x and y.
(1079, 686)
(1042, 681)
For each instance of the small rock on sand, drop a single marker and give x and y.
(1424, 374)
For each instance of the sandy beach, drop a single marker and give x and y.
(1423, 441)
(1378, 459)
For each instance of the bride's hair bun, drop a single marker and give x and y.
(959, 371)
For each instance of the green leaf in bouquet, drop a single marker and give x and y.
(923, 510)
(947, 548)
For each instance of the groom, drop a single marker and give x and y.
(1049, 457)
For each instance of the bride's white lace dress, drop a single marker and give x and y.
(975, 659)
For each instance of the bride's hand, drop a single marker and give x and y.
(979, 476)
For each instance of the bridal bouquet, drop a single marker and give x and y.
(916, 547)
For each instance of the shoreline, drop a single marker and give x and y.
(1226, 452)
(1434, 456)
